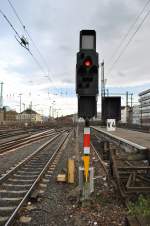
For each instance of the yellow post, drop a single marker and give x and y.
(71, 171)
(86, 160)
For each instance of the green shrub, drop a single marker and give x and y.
(140, 207)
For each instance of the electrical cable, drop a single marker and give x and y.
(31, 39)
(130, 39)
(129, 30)
(34, 58)
(24, 28)
(8, 21)
(15, 12)
(37, 62)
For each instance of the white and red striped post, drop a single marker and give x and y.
(86, 141)
(86, 156)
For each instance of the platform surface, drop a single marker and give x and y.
(139, 138)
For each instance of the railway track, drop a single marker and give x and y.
(19, 142)
(19, 183)
(101, 161)
(13, 132)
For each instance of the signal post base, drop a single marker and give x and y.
(86, 187)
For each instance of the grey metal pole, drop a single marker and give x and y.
(24, 106)
(20, 106)
(131, 99)
(20, 101)
(1, 95)
(102, 80)
(127, 106)
(31, 113)
(54, 112)
(50, 111)
(102, 85)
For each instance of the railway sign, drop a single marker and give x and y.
(111, 108)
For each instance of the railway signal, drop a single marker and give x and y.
(87, 75)
(87, 69)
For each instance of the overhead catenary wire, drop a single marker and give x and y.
(31, 39)
(14, 29)
(123, 39)
(15, 12)
(8, 21)
(130, 39)
(49, 73)
(37, 62)
(24, 27)
(37, 49)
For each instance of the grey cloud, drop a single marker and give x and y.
(113, 19)
(55, 28)
(121, 74)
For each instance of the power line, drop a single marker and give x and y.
(36, 61)
(37, 49)
(130, 39)
(129, 30)
(24, 27)
(8, 21)
(15, 12)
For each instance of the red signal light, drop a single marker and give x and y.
(88, 63)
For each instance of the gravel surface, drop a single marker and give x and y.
(10, 159)
(11, 138)
(61, 203)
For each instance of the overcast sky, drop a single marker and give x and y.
(54, 27)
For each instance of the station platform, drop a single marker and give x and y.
(134, 139)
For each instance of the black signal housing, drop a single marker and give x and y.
(87, 73)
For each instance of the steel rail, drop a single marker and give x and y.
(26, 137)
(100, 159)
(19, 143)
(6, 176)
(12, 217)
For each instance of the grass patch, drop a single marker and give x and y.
(140, 207)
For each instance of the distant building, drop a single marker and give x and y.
(136, 116)
(125, 114)
(145, 107)
(1, 116)
(29, 116)
(7, 116)
(10, 116)
(68, 119)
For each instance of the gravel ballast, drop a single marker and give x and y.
(61, 203)
(10, 159)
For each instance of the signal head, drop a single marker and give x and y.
(87, 63)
